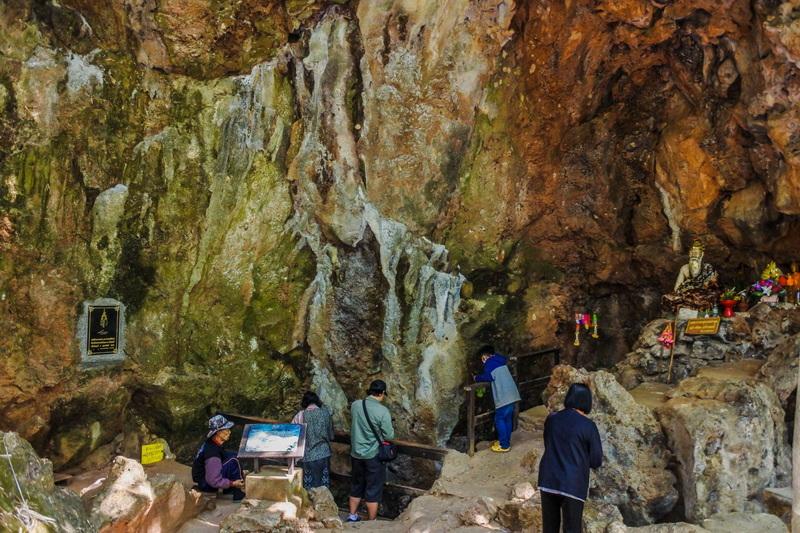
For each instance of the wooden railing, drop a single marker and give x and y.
(411, 449)
(525, 384)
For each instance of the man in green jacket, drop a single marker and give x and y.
(368, 473)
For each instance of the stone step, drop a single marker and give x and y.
(532, 420)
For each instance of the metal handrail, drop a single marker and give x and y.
(472, 389)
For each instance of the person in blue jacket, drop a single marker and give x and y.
(571, 447)
(504, 393)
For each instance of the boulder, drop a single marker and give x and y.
(780, 370)
(744, 523)
(258, 516)
(130, 501)
(599, 517)
(730, 442)
(41, 504)
(522, 491)
(522, 515)
(480, 512)
(446, 513)
(680, 527)
(634, 475)
(325, 509)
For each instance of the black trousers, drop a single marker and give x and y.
(555, 508)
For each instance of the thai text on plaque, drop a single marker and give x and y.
(103, 337)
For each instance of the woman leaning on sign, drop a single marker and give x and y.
(214, 467)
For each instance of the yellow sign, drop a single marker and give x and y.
(152, 453)
(702, 326)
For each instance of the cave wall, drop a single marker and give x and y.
(294, 194)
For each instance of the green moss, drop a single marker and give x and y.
(185, 104)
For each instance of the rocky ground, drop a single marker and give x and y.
(496, 492)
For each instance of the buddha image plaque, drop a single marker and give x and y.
(103, 334)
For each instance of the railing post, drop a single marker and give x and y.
(470, 421)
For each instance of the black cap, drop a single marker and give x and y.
(376, 387)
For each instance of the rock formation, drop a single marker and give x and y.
(28, 498)
(634, 476)
(129, 501)
(730, 441)
(312, 194)
(765, 331)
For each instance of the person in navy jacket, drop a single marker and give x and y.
(504, 393)
(571, 447)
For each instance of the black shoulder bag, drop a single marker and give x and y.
(387, 451)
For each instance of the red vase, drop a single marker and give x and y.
(727, 305)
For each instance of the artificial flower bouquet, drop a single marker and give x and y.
(769, 284)
(766, 287)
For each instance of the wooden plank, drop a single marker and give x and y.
(394, 487)
(412, 449)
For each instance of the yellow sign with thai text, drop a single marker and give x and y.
(702, 326)
(152, 453)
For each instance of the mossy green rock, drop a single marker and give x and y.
(53, 508)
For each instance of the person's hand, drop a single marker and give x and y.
(239, 483)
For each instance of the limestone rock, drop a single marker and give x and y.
(46, 504)
(680, 527)
(523, 515)
(296, 170)
(778, 502)
(256, 516)
(533, 419)
(325, 508)
(445, 513)
(730, 442)
(531, 460)
(744, 523)
(129, 501)
(599, 517)
(761, 333)
(634, 476)
(522, 491)
(781, 368)
(479, 513)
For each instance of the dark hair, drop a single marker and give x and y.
(486, 349)
(310, 397)
(579, 397)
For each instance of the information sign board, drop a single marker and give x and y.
(273, 440)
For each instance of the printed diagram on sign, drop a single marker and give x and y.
(273, 438)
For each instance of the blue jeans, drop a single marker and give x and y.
(504, 421)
